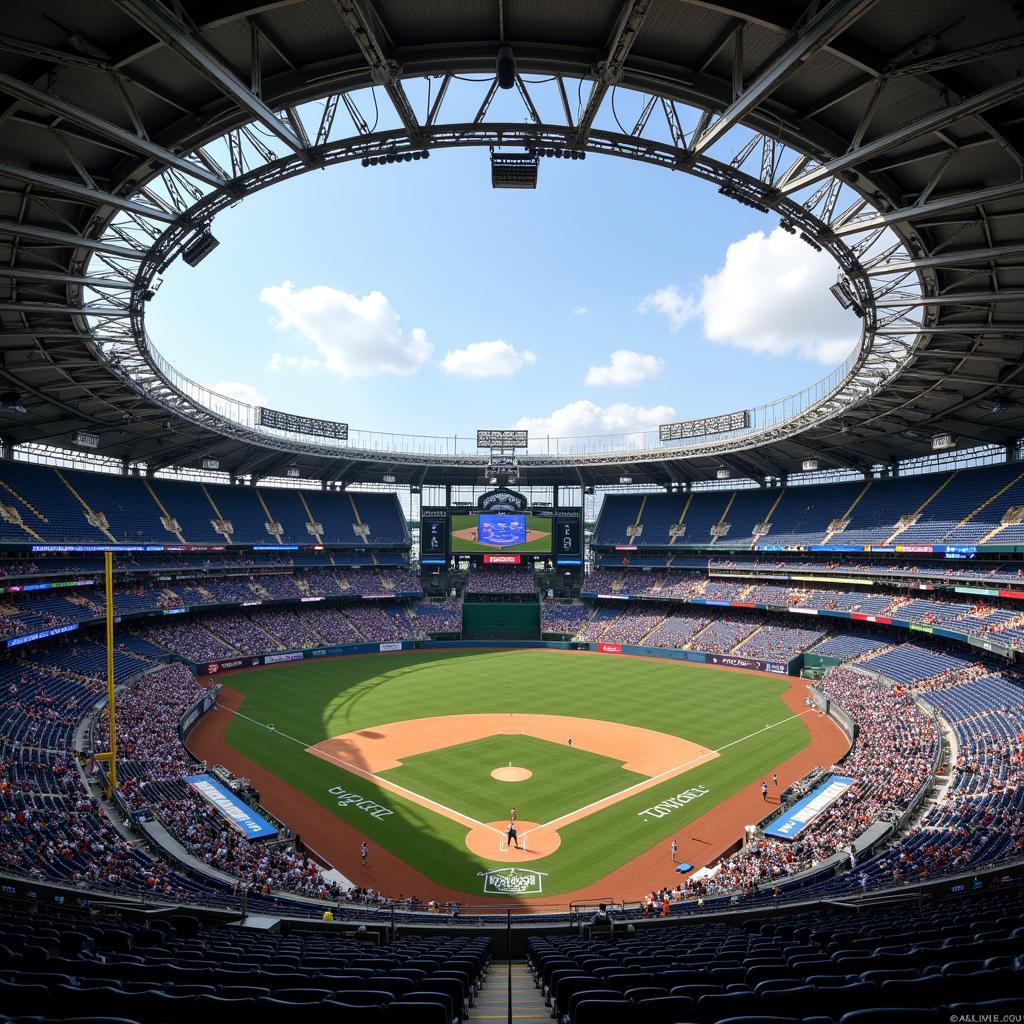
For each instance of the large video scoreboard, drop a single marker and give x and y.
(501, 538)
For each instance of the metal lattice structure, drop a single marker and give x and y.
(885, 132)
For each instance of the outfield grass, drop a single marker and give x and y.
(315, 700)
(564, 778)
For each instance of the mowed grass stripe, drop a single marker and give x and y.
(712, 707)
(564, 778)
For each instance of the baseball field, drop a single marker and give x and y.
(424, 754)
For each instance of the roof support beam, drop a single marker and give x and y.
(89, 196)
(29, 94)
(173, 33)
(816, 34)
(55, 277)
(933, 206)
(17, 229)
(964, 330)
(914, 130)
(609, 71)
(963, 257)
(360, 18)
(48, 307)
(954, 299)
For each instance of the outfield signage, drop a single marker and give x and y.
(673, 803)
(246, 820)
(610, 648)
(347, 798)
(512, 881)
(790, 824)
(779, 668)
(390, 646)
(273, 659)
(27, 638)
(502, 559)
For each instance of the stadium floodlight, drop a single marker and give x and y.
(943, 442)
(514, 170)
(625, 479)
(389, 478)
(293, 472)
(210, 463)
(809, 465)
(810, 241)
(84, 440)
(722, 474)
(199, 248)
(843, 294)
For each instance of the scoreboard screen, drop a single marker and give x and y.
(473, 534)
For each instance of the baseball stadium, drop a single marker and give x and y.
(468, 710)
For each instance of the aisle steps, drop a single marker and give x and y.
(492, 1000)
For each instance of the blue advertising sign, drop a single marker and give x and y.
(250, 824)
(790, 824)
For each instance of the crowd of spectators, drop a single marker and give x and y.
(501, 581)
(566, 617)
(890, 762)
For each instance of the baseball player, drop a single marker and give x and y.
(675, 850)
(513, 814)
(764, 791)
(364, 853)
(512, 835)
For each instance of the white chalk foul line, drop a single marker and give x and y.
(387, 784)
(648, 783)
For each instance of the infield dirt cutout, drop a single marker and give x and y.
(510, 773)
(657, 755)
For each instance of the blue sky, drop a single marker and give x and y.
(365, 294)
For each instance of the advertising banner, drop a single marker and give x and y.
(610, 648)
(779, 668)
(790, 824)
(390, 647)
(244, 818)
(503, 559)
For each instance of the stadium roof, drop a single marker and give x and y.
(107, 110)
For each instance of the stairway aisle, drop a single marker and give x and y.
(492, 999)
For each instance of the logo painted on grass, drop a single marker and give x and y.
(512, 881)
(659, 810)
(347, 799)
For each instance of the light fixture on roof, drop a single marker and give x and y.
(85, 440)
(505, 68)
(389, 478)
(199, 248)
(625, 479)
(10, 401)
(842, 293)
(943, 442)
(722, 474)
(293, 471)
(809, 465)
(211, 463)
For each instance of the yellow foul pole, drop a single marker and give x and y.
(110, 755)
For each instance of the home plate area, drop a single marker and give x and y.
(446, 764)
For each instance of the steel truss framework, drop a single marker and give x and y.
(940, 310)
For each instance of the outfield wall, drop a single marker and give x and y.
(781, 668)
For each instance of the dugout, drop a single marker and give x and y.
(501, 620)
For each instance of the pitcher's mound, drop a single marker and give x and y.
(511, 774)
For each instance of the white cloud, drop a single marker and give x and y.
(283, 362)
(672, 303)
(352, 337)
(239, 390)
(771, 296)
(577, 419)
(626, 368)
(486, 359)
(580, 311)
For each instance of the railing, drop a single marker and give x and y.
(762, 417)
